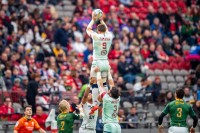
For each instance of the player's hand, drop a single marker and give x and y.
(93, 17)
(101, 18)
(96, 69)
(160, 129)
(79, 106)
(192, 130)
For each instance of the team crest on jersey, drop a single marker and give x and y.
(103, 52)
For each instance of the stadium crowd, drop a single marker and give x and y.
(45, 58)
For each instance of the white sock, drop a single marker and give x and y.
(95, 94)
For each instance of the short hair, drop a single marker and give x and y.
(101, 28)
(114, 93)
(64, 106)
(180, 93)
(27, 106)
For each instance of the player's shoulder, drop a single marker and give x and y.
(172, 103)
(109, 33)
(21, 120)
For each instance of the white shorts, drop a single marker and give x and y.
(178, 130)
(94, 74)
(82, 130)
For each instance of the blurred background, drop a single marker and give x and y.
(46, 55)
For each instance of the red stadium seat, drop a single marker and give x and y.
(172, 59)
(135, 10)
(146, 4)
(143, 10)
(181, 4)
(172, 4)
(174, 66)
(156, 4)
(164, 5)
(137, 3)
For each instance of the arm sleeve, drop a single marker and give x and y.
(166, 110)
(194, 117)
(37, 127)
(18, 125)
(76, 116)
(160, 119)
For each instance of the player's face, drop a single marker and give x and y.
(89, 97)
(28, 111)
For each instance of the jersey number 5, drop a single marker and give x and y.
(62, 125)
(179, 114)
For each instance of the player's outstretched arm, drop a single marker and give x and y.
(90, 25)
(87, 91)
(110, 80)
(89, 28)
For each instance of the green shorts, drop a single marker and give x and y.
(103, 65)
(111, 128)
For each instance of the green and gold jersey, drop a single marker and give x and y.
(65, 122)
(178, 110)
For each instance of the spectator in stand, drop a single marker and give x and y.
(169, 97)
(40, 117)
(8, 80)
(88, 52)
(15, 74)
(6, 111)
(116, 52)
(17, 93)
(133, 118)
(151, 14)
(162, 56)
(122, 66)
(122, 117)
(58, 51)
(188, 97)
(79, 46)
(145, 52)
(196, 88)
(24, 83)
(62, 35)
(156, 87)
(178, 51)
(32, 90)
(152, 56)
(140, 90)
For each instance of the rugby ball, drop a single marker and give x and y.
(97, 13)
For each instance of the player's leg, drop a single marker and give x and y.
(95, 90)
